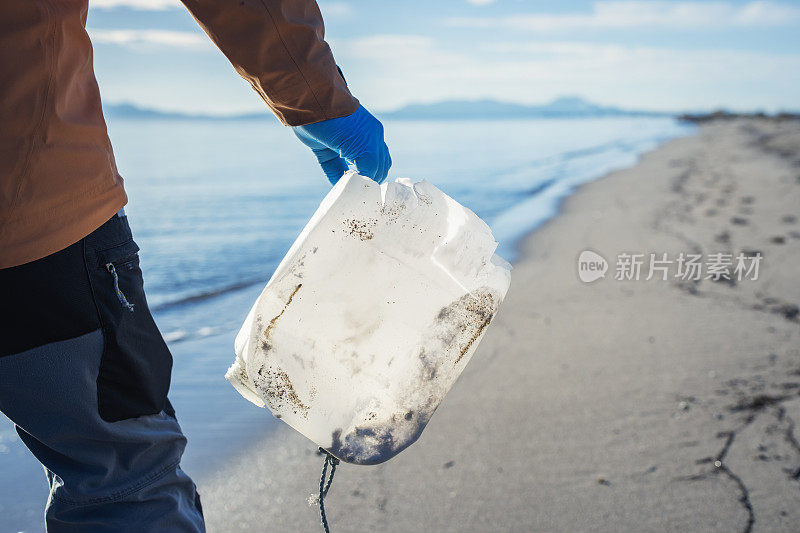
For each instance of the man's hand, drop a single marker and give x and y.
(356, 138)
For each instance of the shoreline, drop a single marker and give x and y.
(602, 405)
(547, 198)
(519, 244)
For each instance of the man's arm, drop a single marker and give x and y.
(278, 46)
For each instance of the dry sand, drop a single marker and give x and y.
(611, 406)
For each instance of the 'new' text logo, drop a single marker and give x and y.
(591, 266)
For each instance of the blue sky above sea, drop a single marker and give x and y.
(662, 55)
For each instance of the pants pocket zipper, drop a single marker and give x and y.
(122, 299)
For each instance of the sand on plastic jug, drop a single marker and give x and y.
(371, 317)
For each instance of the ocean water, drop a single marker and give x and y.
(214, 206)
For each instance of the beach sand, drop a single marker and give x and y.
(616, 405)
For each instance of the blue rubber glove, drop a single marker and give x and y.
(356, 138)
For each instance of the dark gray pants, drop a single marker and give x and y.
(84, 376)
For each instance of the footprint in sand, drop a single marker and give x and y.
(723, 238)
(739, 221)
(788, 219)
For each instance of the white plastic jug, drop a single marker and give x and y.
(371, 317)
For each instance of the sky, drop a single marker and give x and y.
(636, 54)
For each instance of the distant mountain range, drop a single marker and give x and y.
(565, 106)
(132, 111)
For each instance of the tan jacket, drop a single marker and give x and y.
(58, 179)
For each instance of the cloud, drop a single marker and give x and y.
(646, 14)
(481, 2)
(143, 39)
(335, 9)
(142, 5)
(391, 70)
(398, 50)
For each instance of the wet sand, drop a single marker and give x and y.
(615, 405)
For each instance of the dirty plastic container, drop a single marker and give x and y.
(370, 318)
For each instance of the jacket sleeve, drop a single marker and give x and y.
(278, 46)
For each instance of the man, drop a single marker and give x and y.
(84, 373)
